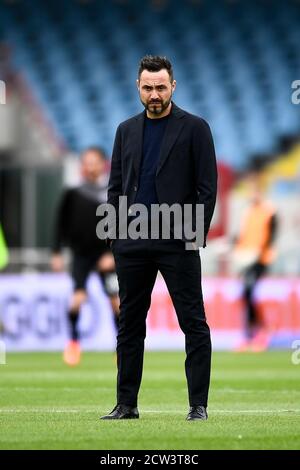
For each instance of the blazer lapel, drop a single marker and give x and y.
(138, 142)
(173, 129)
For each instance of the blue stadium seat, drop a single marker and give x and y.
(234, 63)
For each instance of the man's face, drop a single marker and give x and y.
(155, 89)
(92, 166)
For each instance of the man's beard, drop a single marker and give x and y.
(157, 106)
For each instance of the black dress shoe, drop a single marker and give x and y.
(197, 413)
(122, 412)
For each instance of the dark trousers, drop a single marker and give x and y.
(137, 265)
(251, 276)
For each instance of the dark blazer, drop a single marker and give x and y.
(186, 172)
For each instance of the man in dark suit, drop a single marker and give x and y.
(163, 155)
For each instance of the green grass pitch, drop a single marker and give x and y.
(254, 403)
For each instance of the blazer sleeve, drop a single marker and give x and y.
(115, 178)
(206, 171)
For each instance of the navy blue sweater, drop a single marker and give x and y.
(154, 130)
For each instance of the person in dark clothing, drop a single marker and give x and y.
(163, 155)
(76, 227)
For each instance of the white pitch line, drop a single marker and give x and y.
(229, 411)
(11, 410)
(47, 410)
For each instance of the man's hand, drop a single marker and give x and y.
(57, 263)
(106, 262)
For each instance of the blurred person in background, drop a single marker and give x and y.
(4, 258)
(253, 254)
(75, 227)
(3, 250)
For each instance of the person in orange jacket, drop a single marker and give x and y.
(254, 252)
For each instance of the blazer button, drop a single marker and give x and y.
(135, 188)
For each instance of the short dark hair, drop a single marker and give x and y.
(155, 63)
(97, 149)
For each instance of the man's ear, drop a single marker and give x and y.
(138, 84)
(174, 85)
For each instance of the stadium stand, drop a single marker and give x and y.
(234, 65)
